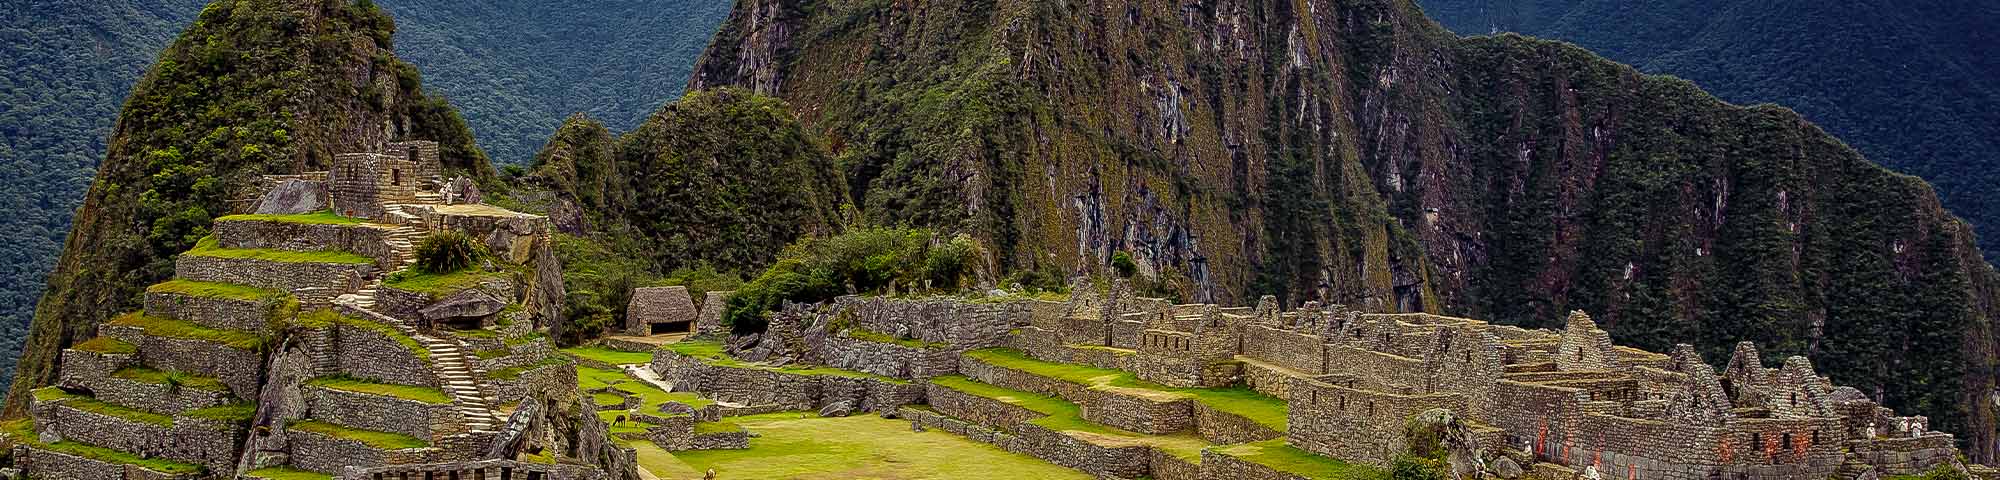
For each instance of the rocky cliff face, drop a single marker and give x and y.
(254, 87)
(1353, 151)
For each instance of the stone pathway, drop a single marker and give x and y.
(644, 372)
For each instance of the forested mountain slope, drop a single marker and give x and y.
(516, 69)
(1355, 151)
(1911, 84)
(252, 87)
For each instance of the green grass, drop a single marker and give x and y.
(381, 440)
(23, 432)
(171, 328)
(859, 333)
(1263, 409)
(407, 392)
(717, 427)
(234, 412)
(789, 447)
(215, 290)
(89, 404)
(606, 355)
(476, 333)
(525, 339)
(710, 352)
(1286, 458)
(324, 217)
(608, 400)
(327, 318)
(107, 345)
(208, 247)
(442, 284)
(515, 372)
(287, 473)
(173, 378)
(1064, 416)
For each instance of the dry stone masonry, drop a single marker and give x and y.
(272, 350)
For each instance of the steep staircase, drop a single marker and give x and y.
(461, 382)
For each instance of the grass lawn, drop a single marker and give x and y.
(407, 392)
(1244, 402)
(327, 318)
(215, 290)
(89, 404)
(382, 440)
(606, 355)
(515, 372)
(167, 327)
(650, 397)
(107, 345)
(324, 217)
(208, 247)
(1064, 416)
(863, 446)
(1286, 458)
(710, 352)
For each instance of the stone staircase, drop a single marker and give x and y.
(461, 381)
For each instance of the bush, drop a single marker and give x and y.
(1123, 264)
(445, 252)
(867, 260)
(1416, 468)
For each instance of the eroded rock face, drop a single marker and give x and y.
(293, 197)
(837, 409)
(1506, 468)
(472, 303)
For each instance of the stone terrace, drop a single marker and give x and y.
(1128, 387)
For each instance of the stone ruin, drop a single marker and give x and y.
(287, 343)
(1557, 404)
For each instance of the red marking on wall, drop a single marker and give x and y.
(1727, 453)
(1631, 472)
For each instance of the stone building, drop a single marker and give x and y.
(660, 311)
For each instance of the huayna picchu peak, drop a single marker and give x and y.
(1124, 239)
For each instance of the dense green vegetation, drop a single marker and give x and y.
(860, 260)
(239, 94)
(1906, 83)
(445, 252)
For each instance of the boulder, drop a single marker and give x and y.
(293, 197)
(837, 409)
(1506, 468)
(676, 408)
(462, 191)
(464, 304)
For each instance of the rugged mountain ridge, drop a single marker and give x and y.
(1353, 151)
(253, 87)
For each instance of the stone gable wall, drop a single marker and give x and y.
(709, 321)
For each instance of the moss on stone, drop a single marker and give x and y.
(208, 247)
(327, 318)
(287, 473)
(171, 328)
(323, 217)
(407, 392)
(215, 290)
(371, 438)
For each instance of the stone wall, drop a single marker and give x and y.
(1223, 428)
(652, 305)
(758, 386)
(238, 368)
(214, 312)
(1363, 426)
(887, 359)
(709, 323)
(964, 325)
(313, 283)
(203, 442)
(1216, 465)
(977, 409)
(332, 455)
(368, 240)
(1298, 351)
(557, 377)
(151, 397)
(63, 466)
(479, 470)
(376, 412)
(370, 354)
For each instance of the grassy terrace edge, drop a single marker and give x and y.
(322, 217)
(711, 352)
(209, 247)
(1064, 416)
(171, 328)
(328, 318)
(215, 290)
(406, 392)
(1258, 407)
(381, 440)
(22, 432)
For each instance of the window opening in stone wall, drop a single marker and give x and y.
(396, 177)
(1343, 403)
(1756, 440)
(1795, 399)
(1815, 436)
(1787, 439)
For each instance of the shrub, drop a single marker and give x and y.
(866, 260)
(1122, 263)
(445, 252)
(1416, 468)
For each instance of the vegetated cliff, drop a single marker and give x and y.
(253, 87)
(713, 186)
(1356, 152)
